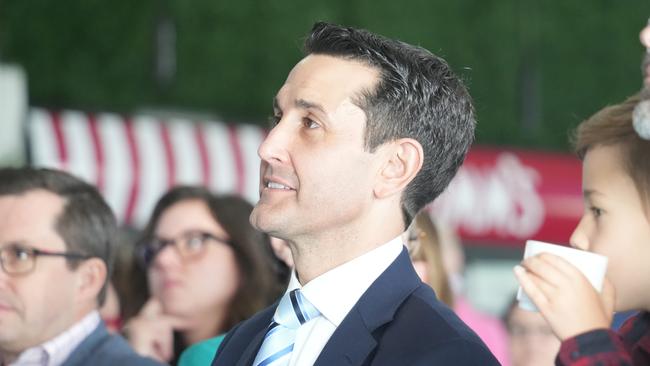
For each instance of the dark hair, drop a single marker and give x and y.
(613, 125)
(259, 284)
(86, 225)
(418, 96)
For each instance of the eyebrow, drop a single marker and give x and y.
(303, 104)
(587, 193)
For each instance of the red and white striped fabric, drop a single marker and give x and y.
(134, 160)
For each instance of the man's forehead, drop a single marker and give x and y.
(29, 214)
(327, 79)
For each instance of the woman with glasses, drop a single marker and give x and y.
(206, 267)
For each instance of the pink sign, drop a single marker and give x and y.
(504, 197)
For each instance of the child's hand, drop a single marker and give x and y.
(564, 296)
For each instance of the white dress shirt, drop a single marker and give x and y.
(55, 351)
(334, 293)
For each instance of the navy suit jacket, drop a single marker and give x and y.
(397, 321)
(103, 349)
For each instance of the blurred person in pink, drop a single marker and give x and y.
(438, 258)
(530, 338)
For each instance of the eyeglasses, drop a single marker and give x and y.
(189, 245)
(16, 259)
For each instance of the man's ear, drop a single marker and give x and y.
(403, 161)
(92, 275)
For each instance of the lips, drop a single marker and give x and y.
(6, 305)
(168, 284)
(276, 183)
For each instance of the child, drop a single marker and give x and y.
(615, 223)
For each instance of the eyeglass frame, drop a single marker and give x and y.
(141, 246)
(34, 253)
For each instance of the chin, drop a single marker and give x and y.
(175, 308)
(262, 220)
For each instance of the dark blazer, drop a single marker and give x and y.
(103, 349)
(397, 321)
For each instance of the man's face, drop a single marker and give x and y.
(614, 224)
(316, 177)
(36, 306)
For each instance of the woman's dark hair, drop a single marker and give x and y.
(258, 269)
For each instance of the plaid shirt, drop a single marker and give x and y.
(604, 347)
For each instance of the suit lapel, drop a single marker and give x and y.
(87, 346)
(354, 339)
(248, 356)
(247, 339)
(350, 344)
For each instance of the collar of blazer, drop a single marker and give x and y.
(353, 340)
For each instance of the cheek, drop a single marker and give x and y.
(216, 276)
(56, 296)
(154, 282)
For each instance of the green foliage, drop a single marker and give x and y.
(534, 68)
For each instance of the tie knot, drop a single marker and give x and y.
(294, 310)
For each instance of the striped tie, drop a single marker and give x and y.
(293, 311)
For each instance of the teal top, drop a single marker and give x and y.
(202, 353)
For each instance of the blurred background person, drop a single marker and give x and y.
(207, 269)
(645, 65)
(438, 258)
(424, 248)
(530, 339)
(120, 286)
(203, 353)
(110, 312)
(56, 255)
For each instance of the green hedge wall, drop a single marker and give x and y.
(535, 68)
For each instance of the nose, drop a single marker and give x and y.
(579, 238)
(274, 147)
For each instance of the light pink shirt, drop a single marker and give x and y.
(55, 351)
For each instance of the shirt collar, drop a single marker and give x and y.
(336, 291)
(56, 350)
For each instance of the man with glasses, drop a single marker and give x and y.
(56, 255)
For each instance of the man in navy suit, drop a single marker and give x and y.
(367, 131)
(57, 240)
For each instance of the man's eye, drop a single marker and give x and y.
(20, 253)
(597, 212)
(309, 123)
